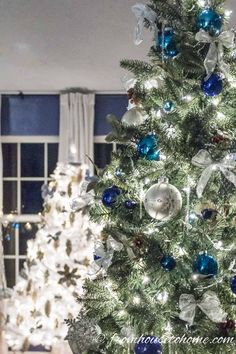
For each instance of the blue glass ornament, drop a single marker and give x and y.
(233, 284)
(209, 21)
(206, 265)
(168, 106)
(109, 196)
(171, 51)
(130, 204)
(164, 39)
(147, 147)
(208, 213)
(148, 345)
(8, 237)
(168, 263)
(212, 86)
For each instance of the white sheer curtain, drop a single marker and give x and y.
(76, 128)
(3, 286)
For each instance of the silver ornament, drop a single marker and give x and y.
(162, 201)
(83, 334)
(134, 116)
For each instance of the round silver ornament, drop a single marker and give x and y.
(163, 201)
(134, 116)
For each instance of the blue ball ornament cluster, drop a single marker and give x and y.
(109, 196)
(209, 21)
(233, 284)
(148, 345)
(166, 41)
(147, 147)
(212, 86)
(205, 265)
(168, 263)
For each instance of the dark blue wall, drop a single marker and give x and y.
(30, 115)
(39, 114)
(108, 104)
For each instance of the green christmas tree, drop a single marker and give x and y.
(168, 199)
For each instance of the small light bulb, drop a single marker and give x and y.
(201, 3)
(215, 101)
(122, 313)
(73, 149)
(168, 327)
(136, 300)
(146, 279)
(28, 226)
(188, 98)
(228, 13)
(162, 297)
(195, 277)
(158, 113)
(220, 115)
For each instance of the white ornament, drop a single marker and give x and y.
(162, 201)
(134, 116)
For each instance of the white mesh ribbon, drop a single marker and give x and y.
(142, 12)
(216, 50)
(203, 159)
(210, 305)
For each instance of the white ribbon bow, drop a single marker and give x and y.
(142, 12)
(203, 159)
(210, 305)
(216, 50)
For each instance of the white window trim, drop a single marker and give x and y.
(24, 218)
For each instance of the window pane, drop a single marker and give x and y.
(8, 234)
(52, 157)
(25, 235)
(21, 264)
(9, 197)
(32, 160)
(102, 154)
(9, 152)
(31, 200)
(10, 272)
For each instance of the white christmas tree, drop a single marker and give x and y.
(58, 261)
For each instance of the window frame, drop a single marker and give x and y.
(24, 218)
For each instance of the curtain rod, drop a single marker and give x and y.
(112, 92)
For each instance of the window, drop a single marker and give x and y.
(102, 151)
(28, 163)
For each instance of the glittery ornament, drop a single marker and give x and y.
(209, 21)
(162, 201)
(109, 196)
(233, 284)
(148, 345)
(205, 265)
(168, 263)
(212, 86)
(147, 147)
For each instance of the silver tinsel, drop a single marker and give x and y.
(84, 334)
